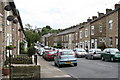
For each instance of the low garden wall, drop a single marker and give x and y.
(25, 72)
(23, 68)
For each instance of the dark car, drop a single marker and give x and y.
(49, 55)
(110, 54)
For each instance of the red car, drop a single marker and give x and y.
(49, 55)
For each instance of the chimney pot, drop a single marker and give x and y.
(108, 10)
(88, 20)
(84, 23)
(100, 14)
(117, 6)
(94, 17)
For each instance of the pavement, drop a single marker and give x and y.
(50, 71)
(0, 67)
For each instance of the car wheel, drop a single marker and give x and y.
(59, 65)
(55, 64)
(112, 59)
(75, 64)
(102, 58)
(86, 57)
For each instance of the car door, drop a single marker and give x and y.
(89, 53)
(107, 54)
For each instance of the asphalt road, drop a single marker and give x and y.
(92, 69)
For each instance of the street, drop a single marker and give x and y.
(91, 69)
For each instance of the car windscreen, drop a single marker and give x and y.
(67, 53)
(114, 50)
(80, 50)
(41, 49)
(97, 50)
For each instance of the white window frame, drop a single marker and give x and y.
(86, 32)
(92, 30)
(80, 34)
(8, 22)
(100, 27)
(76, 36)
(110, 24)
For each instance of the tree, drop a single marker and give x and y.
(28, 26)
(59, 44)
(32, 37)
(48, 27)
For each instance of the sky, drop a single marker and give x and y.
(60, 14)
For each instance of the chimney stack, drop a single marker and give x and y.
(81, 24)
(108, 10)
(94, 17)
(84, 23)
(88, 20)
(100, 14)
(117, 6)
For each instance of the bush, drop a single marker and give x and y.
(21, 59)
(31, 51)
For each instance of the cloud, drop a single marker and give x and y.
(60, 13)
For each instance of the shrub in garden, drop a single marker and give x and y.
(31, 51)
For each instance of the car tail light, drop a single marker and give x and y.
(60, 55)
(75, 55)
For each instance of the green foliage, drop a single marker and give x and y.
(48, 29)
(59, 44)
(10, 47)
(31, 51)
(21, 59)
(28, 26)
(32, 37)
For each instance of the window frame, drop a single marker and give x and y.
(92, 30)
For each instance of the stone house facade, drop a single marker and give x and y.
(11, 30)
(98, 32)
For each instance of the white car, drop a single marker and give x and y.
(80, 52)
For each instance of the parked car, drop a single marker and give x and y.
(49, 55)
(93, 53)
(40, 51)
(80, 52)
(110, 54)
(65, 57)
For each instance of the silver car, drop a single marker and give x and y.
(93, 53)
(65, 57)
(80, 52)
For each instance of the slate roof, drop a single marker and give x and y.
(68, 31)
